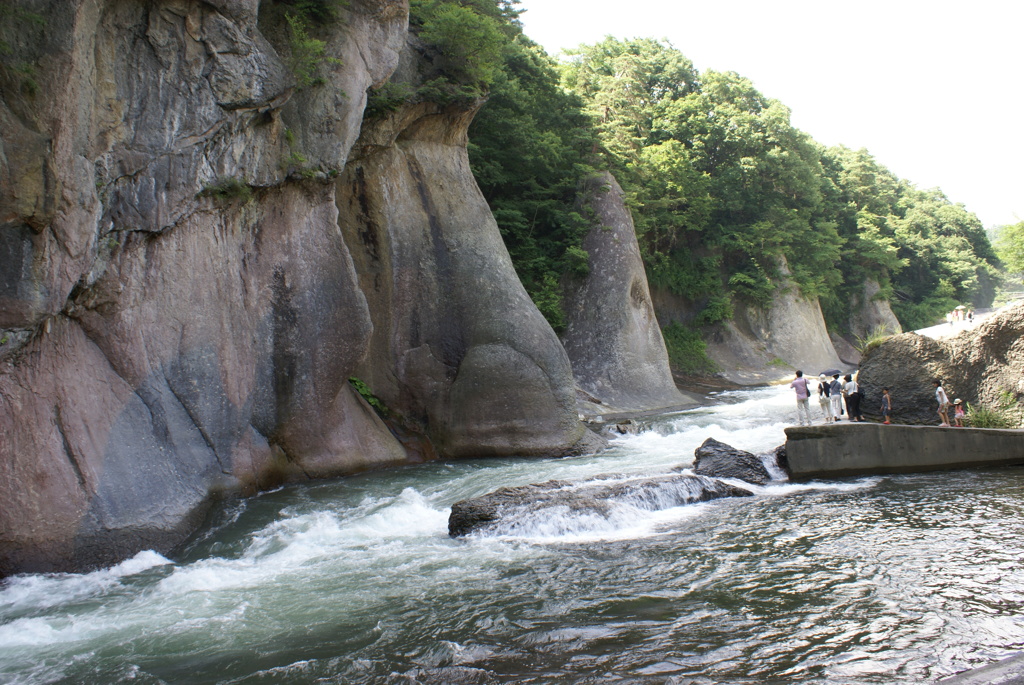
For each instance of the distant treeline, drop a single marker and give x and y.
(720, 183)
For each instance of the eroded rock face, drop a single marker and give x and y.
(980, 366)
(715, 459)
(870, 313)
(762, 345)
(458, 347)
(612, 336)
(558, 507)
(163, 345)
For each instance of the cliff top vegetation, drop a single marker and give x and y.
(724, 189)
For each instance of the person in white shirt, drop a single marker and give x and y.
(852, 392)
(943, 400)
(803, 393)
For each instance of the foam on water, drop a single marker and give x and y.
(32, 592)
(558, 525)
(411, 515)
(362, 553)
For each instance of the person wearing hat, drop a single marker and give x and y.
(823, 399)
(958, 412)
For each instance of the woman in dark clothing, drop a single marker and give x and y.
(852, 393)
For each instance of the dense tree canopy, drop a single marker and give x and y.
(1010, 245)
(723, 188)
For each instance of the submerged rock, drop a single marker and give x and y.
(718, 460)
(559, 506)
(782, 457)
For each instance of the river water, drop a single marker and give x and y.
(871, 580)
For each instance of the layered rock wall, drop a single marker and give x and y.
(760, 345)
(869, 312)
(458, 347)
(180, 311)
(182, 314)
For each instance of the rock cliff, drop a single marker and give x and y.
(870, 312)
(761, 345)
(981, 366)
(612, 336)
(458, 347)
(180, 311)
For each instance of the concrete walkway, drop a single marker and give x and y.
(945, 330)
(860, 449)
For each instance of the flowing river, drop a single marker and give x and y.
(872, 580)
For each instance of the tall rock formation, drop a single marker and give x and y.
(180, 317)
(869, 312)
(612, 336)
(179, 309)
(458, 348)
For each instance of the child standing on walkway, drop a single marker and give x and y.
(886, 405)
(958, 413)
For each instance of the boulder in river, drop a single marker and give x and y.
(718, 460)
(558, 506)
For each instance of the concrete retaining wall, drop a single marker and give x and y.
(869, 448)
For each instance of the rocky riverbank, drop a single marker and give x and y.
(983, 366)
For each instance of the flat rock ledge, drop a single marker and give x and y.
(517, 510)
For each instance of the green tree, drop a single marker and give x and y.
(470, 43)
(627, 85)
(724, 190)
(1010, 246)
(466, 40)
(529, 149)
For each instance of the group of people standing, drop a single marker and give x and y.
(831, 393)
(960, 315)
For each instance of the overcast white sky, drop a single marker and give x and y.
(934, 90)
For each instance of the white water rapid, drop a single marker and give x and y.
(356, 581)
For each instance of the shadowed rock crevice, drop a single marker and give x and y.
(68, 449)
